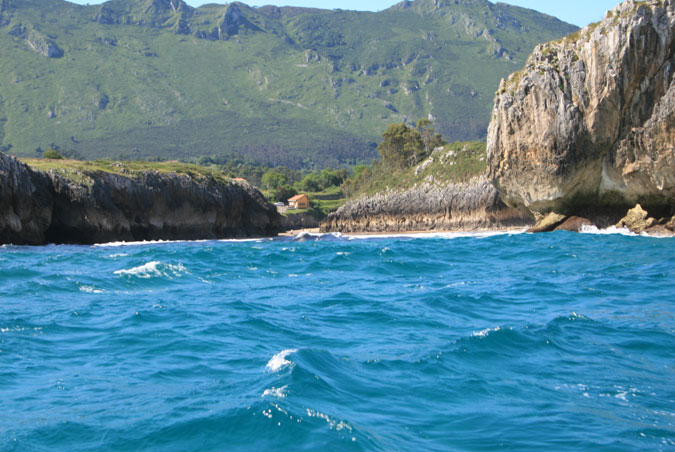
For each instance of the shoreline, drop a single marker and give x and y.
(361, 235)
(415, 232)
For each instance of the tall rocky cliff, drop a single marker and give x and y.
(466, 206)
(589, 123)
(92, 207)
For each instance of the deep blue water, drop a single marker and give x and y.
(551, 342)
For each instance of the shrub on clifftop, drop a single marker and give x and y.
(52, 155)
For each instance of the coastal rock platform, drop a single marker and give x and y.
(475, 205)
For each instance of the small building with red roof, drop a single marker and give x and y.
(299, 202)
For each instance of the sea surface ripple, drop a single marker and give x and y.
(561, 342)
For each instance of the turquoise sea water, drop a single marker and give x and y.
(560, 342)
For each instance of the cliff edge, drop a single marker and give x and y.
(85, 206)
(588, 125)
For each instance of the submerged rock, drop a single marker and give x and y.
(590, 120)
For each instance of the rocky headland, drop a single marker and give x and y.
(85, 206)
(583, 136)
(586, 131)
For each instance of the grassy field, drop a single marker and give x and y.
(76, 169)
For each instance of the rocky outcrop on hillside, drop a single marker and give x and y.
(37, 41)
(94, 207)
(429, 207)
(588, 126)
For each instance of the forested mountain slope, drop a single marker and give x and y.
(289, 86)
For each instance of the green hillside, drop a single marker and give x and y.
(280, 86)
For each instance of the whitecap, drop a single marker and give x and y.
(591, 229)
(153, 269)
(145, 242)
(279, 393)
(305, 236)
(485, 332)
(258, 240)
(332, 423)
(437, 235)
(90, 289)
(279, 361)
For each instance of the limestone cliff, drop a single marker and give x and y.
(97, 206)
(468, 206)
(589, 123)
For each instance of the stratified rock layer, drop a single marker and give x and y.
(472, 206)
(38, 208)
(590, 121)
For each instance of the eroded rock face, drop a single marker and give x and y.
(472, 206)
(26, 203)
(110, 207)
(590, 121)
(38, 208)
(637, 220)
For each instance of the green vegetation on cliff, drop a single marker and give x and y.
(405, 161)
(303, 88)
(75, 169)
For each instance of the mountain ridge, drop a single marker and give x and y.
(159, 78)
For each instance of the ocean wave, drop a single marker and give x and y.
(485, 332)
(154, 269)
(612, 230)
(278, 393)
(143, 243)
(392, 337)
(90, 289)
(279, 361)
(258, 240)
(305, 236)
(437, 235)
(333, 423)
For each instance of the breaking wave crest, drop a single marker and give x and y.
(154, 269)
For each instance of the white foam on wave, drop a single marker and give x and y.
(613, 230)
(279, 361)
(485, 332)
(144, 242)
(437, 235)
(591, 229)
(332, 423)
(90, 289)
(279, 393)
(153, 269)
(118, 255)
(307, 236)
(259, 240)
